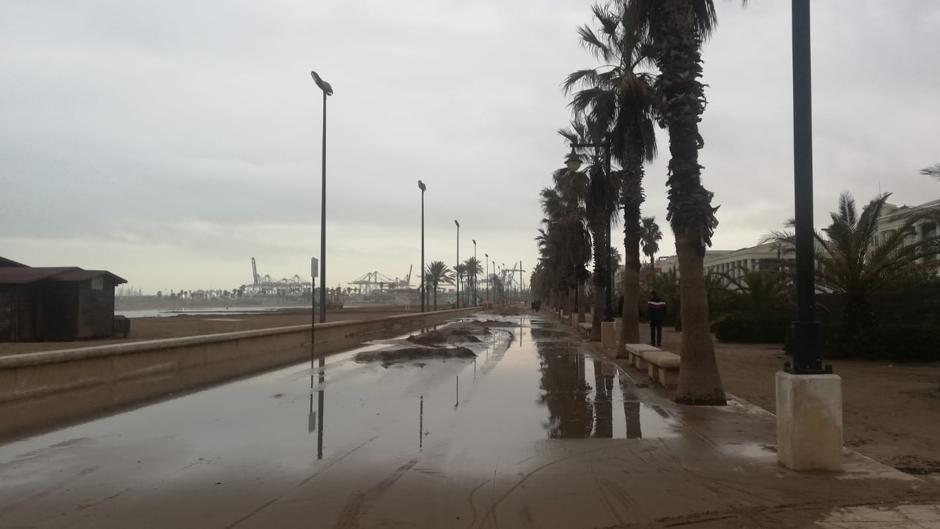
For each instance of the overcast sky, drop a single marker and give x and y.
(170, 141)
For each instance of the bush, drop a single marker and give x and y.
(900, 343)
(753, 328)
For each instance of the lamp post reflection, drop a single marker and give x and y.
(315, 419)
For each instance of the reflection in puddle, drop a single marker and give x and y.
(579, 410)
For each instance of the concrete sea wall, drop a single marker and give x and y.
(46, 389)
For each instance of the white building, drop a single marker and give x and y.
(735, 263)
(771, 256)
(892, 217)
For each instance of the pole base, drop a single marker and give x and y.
(809, 421)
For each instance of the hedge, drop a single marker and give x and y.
(753, 328)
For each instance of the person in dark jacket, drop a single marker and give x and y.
(656, 313)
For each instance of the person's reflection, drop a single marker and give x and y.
(631, 408)
(603, 395)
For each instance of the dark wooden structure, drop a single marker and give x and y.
(55, 303)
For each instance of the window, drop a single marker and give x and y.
(97, 283)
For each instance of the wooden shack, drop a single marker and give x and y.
(55, 303)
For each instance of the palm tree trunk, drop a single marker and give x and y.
(690, 211)
(600, 278)
(632, 198)
(699, 380)
(435, 297)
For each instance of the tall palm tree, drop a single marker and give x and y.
(438, 272)
(600, 205)
(650, 235)
(674, 31)
(621, 101)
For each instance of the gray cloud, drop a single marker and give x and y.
(170, 141)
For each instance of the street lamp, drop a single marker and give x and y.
(327, 90)
(473, 273)
(806, 355)
(423, 188)
(457, 271)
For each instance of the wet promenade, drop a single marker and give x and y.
(540, 430)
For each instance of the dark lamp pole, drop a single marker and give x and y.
(327, 90)
(423, 188)
(806, 354)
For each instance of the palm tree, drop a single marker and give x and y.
(621, 101)
(854, 261)
(761, 290)
(473, 268)
(438, 272)
(650, 235)
(600, 206)
(933, 170)
(674, 31)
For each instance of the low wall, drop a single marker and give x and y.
(41, 390)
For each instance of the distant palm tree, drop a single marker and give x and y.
(762, 290)
(621, 101)
(437, 273)
(600, 207)
(650, 235)
(473, 268)
(933, 170)
(674, 31)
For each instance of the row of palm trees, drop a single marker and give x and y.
(438, 273)
(649, 73)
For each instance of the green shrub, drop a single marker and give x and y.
(900, 343)
(753, 327)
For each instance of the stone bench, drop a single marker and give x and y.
(635, 352)
(585, 328)
(662, 366)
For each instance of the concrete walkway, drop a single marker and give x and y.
(541, 430)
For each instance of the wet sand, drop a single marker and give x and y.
(539, 430)
(891, 412)
(194, 325)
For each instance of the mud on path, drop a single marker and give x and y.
(448, 341)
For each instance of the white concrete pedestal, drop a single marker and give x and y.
(809, 421)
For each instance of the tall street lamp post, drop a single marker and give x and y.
(327, 90)
(457, 271)
(473, 273)
(423, 188)
(806, 355)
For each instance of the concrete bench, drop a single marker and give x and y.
(635, 352)
(585, 328)
(662, 367)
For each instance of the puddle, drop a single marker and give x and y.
(500, 400)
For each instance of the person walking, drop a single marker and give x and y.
(656, 313)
